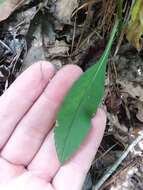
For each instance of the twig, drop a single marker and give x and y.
(85, 5)
(87, 39)
(6, 46)
(105, 153)
(86, 23)
(74, 32)
(118, 162)
(123, 171)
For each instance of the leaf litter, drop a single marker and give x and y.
(79, 36)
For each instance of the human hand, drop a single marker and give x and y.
(28, 111)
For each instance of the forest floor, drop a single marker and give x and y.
(76, 32)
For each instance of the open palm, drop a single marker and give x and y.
(28, 109)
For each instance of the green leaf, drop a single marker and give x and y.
(79, 106)
(134, 29)
(1, 1)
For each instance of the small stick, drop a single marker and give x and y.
(73, 38)
(118, 162)
(6, 46)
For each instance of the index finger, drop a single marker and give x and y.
(21, 95)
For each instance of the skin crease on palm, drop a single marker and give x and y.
(28, 159)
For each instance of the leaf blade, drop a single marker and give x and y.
(79, 105)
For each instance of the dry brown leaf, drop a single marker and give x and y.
(64, 10)
(140, 112)
(133, 90)
(7, 7)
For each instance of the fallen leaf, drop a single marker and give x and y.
(58, 49)
(132, 89)
(140, 112)
(64, 10)
(7, 7)
(79, 106)
(35, 52)
(135, 27)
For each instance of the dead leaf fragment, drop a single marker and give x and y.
(131, 89)
(64, 10)
(7, 7)
(140, 112)
(58, 49)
